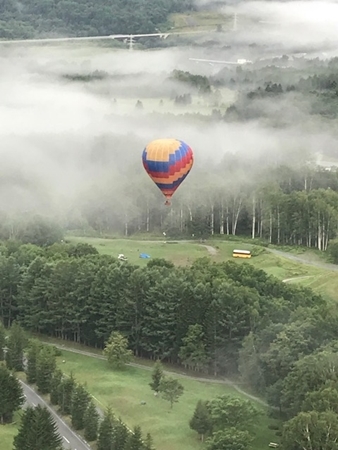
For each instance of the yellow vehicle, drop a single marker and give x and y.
(241, 254)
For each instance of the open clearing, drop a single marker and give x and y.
(321, 277)
(125, 390)
(200, 20)
(179, 253)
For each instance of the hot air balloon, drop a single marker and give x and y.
(167, 162)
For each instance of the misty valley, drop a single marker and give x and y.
(126, 322)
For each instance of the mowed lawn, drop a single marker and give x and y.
(125, 390)
(179, 253)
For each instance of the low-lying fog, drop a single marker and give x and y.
(61, 138)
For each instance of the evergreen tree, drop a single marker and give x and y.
(16, 344)
(148, 442)
(116, 351)
(91, 422)
(80, 401)
(2, 341)
(26, 430)
(156, 376)
(193, 352)
(134, 441)
(121, 434)
(45, 367)
(65, 394)
(201, 421)
(106, 432)
(38, 431)
(32, 355)
(55, 387)
(11, 395)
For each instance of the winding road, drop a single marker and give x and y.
(71, 441)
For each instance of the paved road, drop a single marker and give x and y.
(71, 441)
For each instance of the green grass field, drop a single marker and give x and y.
(124, 391)
(7, 433)
(201, 20)
(178, 253)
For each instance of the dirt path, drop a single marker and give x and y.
(299, 259)
(212, 251)
(177, 374)
(296, 278)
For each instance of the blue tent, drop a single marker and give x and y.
(144, 256)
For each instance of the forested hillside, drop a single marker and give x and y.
(43, 18)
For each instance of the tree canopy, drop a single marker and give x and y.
(84, 18)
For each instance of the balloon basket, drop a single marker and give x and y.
(167, 203)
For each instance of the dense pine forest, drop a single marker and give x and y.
(32, 18)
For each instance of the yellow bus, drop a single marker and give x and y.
(241, 254)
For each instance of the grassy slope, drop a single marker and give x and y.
(124, 391)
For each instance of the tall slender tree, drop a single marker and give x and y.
(55, 383)
(66, 389)
(32, 356)
(157, 375)
(2, 341)
(45, 367)
(91, 422)
(16, 344)
(80, 401)
(134, 441)
(106, 431)
(201, 420)
(11, 395)
(116, 351)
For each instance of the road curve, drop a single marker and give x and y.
(71, 441)
(299, 259)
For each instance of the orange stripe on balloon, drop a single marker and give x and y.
(172, 178)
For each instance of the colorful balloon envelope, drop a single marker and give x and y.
(168, 163)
